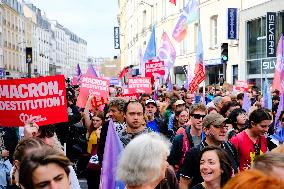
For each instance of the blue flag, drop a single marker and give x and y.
(150, 52)
(113, 148)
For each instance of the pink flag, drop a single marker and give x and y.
(167, 53)
(199, 71)
(190, 14)
(278, 81)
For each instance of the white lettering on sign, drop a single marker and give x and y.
(232, 23)
(268, 65)
(19, 93)
(24, 117)
(139, 80)
(152, 68)
(32, 104)
(271, 34)
(30, 90)
(93, 83)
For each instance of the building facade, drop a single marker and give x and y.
(255, 63)
(14, 33)
(247, 53)
(56, 50)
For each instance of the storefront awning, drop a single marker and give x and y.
(212, 62)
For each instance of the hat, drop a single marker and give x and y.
(179, 102)
(213, 118)
(151, 101)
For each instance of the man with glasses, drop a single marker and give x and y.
(215, 130)
(190, 137)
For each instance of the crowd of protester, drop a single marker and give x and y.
(171, 140)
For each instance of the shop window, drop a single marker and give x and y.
(235, 74)
(254, 67)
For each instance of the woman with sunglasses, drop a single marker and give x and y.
(277, 138)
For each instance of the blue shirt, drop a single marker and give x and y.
(153, 126)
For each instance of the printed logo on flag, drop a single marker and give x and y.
(44, 97)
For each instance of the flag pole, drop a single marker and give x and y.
(199, 25)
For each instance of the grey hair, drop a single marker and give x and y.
(117, 102)
(217, 100)
(141, 160)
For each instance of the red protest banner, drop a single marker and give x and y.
(44, 97)
(128, 95)
(139, 85)
(242, 86)
(91, 85)
(154, 69)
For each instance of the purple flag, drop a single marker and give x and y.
(78, 70)
(167, 53)
(113, 148)
(91, 71)
(278, 81)
(277, 124)
(246, 102)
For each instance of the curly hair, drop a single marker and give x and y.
(117, 102)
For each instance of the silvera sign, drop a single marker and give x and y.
(270, 34)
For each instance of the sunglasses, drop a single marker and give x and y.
(223, 126)
(197, 116)
(282, 119)
(256, 149)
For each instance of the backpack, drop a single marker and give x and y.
(187, 142)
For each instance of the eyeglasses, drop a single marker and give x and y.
(256, 149)
(223, 126)
(197, 116)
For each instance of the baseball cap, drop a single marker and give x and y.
(213, 118)
(179, 102)
(150, 101)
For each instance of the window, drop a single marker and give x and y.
(235, 74)
(214, 31)
(144, 19)
(164, 9)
